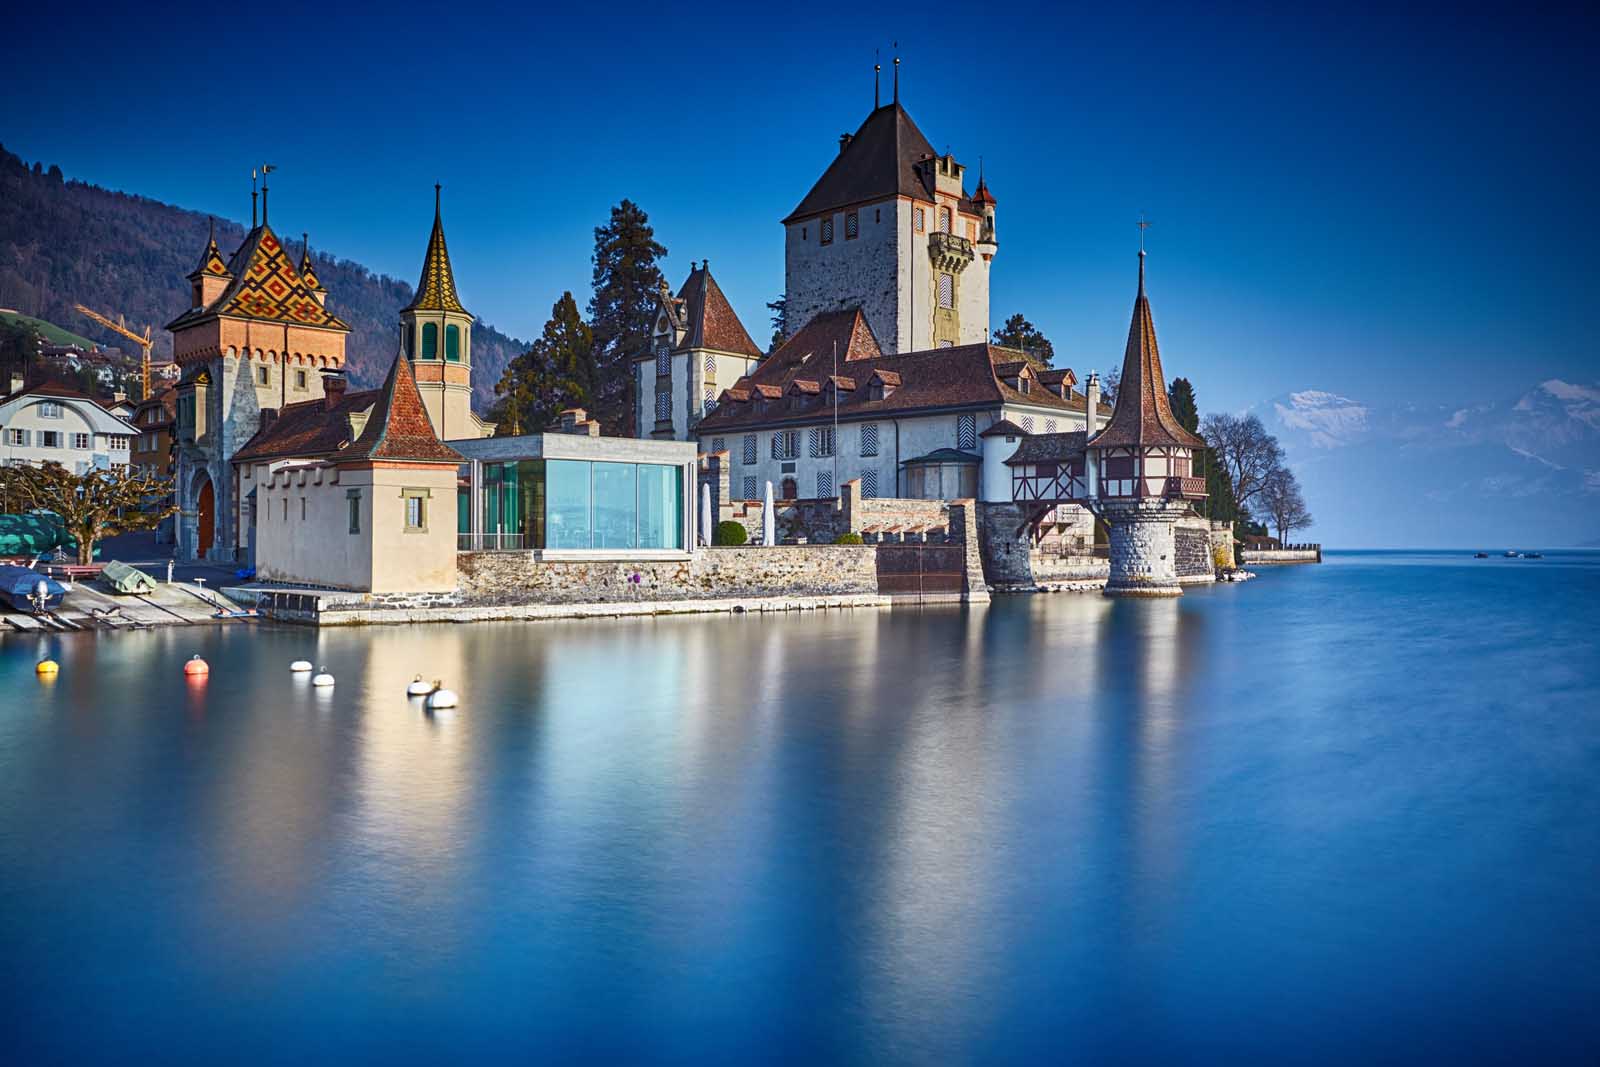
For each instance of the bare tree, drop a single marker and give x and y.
(96, 504)
(1280, 495)
(1110, 382)
(1246, 449)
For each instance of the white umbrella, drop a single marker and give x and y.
(705, 513)
(769, 533)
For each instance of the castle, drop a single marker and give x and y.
(260, 355)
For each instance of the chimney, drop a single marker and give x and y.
(844, 142)
(333, 385)
(576, 421)
(268, 417)
(1091, 409)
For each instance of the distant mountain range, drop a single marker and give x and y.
(1518, 472)
(65, 242)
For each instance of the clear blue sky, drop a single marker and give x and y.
(1360, 203)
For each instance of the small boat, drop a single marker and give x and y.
(1533, 555)
(1481, 555)
(123, 578)
(1512, 553)
(29, 590)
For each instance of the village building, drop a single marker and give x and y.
(697, 347)
(155, 419)
(259, 347)
(52, 423)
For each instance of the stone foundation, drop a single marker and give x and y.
(1144, 553)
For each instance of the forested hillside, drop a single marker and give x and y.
(65, 242)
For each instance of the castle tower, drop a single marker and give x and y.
(255, 338)
(1141, 468)
(889, 228)
(436, 337)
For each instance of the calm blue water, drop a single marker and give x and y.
(1347, 813)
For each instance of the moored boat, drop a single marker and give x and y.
(29, 590)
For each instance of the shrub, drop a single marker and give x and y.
(1221, 558)
(849, 539)
(729, 533)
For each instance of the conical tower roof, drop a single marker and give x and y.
(308, 271)
(211, 261)
(398, 427)
(436, 290)
(1142, 415)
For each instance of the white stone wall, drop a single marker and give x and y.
(845, 273)
(689, 382)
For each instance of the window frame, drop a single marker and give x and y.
(420, 497)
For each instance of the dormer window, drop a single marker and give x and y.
(1022, 385)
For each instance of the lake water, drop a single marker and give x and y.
(1347, 813)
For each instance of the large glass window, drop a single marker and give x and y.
(616, 506)
(567, 523)
(660, 506)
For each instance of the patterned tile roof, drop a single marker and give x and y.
(1142, 415)
(265, 286)
(211, 259)
(436, 289)
(308, 271)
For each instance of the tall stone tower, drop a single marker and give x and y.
(890, 228)
(1141, 468)
(256, 338)
(436, 337)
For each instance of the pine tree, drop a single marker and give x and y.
(780, 323)
(1022, 335)
(626, 280)
(1219, 503)
(1181, 396)
(556, 372)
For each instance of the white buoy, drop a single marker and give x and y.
(440, 697)
(301, 666)
(418, 688)
(322, 677)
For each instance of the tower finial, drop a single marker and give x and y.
(1143, 224)
(897, 73)
(252, 198)
(436, 189)
(266, 169)
(877, 71)
(213, 220)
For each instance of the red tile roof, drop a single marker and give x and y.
(309, 428)
(399, 427)
(1142, 415)
(710, 320)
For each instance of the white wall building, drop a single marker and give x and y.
(51, 423)
(698, 348)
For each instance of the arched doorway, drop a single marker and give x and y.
(206, 520)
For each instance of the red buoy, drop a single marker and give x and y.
(195, 666)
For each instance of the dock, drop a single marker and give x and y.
(90, 606)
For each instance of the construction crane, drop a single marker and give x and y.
(144, 344)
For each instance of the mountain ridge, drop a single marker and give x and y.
(65, 242)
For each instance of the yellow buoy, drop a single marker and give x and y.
(47, 667)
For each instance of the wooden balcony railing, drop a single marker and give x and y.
(1186, 488)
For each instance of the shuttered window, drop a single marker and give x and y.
(821, 440)
(947, 290)
(869, 485)
(824, 484)
(966, 431)
(827, 230)
(663, 407)
(749, 487)
(663, 360)
(786, 444)
(852, 226)
(869, 439)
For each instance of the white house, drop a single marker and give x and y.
(51, 422)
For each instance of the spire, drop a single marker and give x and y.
(398, 427)
(897, 77)
(266, 169)
(308, 271)
(211, 258)
(436, 289)
(252, 198)
(877, 73)
(1142, 415)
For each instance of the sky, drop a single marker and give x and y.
(1379, 206)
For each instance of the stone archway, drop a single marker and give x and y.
(205, 519)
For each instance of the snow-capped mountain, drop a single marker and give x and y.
(1524, 471)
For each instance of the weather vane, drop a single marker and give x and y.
(1143, 224)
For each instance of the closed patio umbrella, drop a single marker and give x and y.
(769, 531)
(705, 513)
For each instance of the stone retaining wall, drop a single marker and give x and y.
(777, 571)
(1193, 548)
(1279, 555)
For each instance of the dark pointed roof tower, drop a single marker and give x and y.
(398, 428)
(211, 261)
(308, 272)
(884, 158)
(1142, 415)
(436, 290)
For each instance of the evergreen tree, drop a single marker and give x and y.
(780, 323)
(1022, 335)
(626, 280)
(1181, 396)
(1219, 504)
(556, 372)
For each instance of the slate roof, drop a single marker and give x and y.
(940, 378)
(710, 320)
(1048, 448)
(1142, 415)
(265, 286)
(436, 289)
(881, 160)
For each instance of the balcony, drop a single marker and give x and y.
(1186, 489)
(949, 252)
